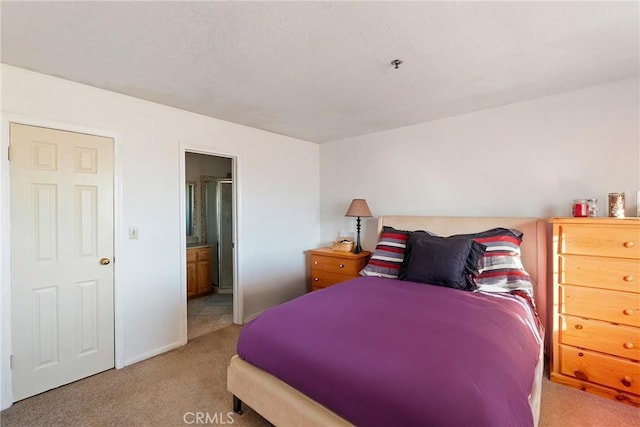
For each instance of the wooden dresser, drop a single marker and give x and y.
(199, 271)
(329, 267)
(596, 306)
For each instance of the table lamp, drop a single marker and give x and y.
(358, 208)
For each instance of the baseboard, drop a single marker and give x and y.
(250, 317)
(153, 353)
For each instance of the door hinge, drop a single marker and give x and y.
(11, 362)
(9, 153)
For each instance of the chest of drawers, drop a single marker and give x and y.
(596, 306)
(329, 267)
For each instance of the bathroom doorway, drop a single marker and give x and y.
(209, 204)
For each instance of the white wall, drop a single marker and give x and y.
(530, 158)
(278, 194)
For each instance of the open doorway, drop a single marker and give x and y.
(209, 190)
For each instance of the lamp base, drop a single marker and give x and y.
(358, 247)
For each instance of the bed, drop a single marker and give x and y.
(360, 353)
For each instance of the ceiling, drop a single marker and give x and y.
(321, 71)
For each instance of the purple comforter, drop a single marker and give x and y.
(381, 352)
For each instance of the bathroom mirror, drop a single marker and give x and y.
(190, 216)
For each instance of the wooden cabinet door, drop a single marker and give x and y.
(192, 280)
(204, 277)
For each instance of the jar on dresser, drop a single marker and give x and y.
(596, 306)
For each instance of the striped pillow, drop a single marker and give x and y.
(500, 269)
(388, 254)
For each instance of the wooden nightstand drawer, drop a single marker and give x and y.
(335, 265)
(600, 304)
(619, 340)
(620, 374)
(329, 267)
(321, 279)
(609, 273)
(603, 241)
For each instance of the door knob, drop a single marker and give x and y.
(105, 261)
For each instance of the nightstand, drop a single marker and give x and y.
(329, 267)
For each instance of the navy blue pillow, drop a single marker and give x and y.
(441, 261)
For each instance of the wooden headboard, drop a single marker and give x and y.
(533, 248)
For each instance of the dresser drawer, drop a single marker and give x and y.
(600, 304)
(336, 265)
(321, 279)
(609, 273)
(329, 267)
(606, 241)
(609, 371)
(619, 340)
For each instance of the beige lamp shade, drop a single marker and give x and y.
(359, 207)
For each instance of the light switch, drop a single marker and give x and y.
(133, 232)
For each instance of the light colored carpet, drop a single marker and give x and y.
(157, 392)
(168, 390)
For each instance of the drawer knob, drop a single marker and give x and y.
(627, 311)
(315, 262)
(341, 266)
(315, 279)
(628, 278)
(628, 244)
(626, 381)
(628, 345)
(578, 326)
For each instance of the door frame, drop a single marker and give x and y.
(6, 379)
(237, 289)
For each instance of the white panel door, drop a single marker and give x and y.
(61, 229)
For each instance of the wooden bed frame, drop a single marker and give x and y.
(283, 405)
